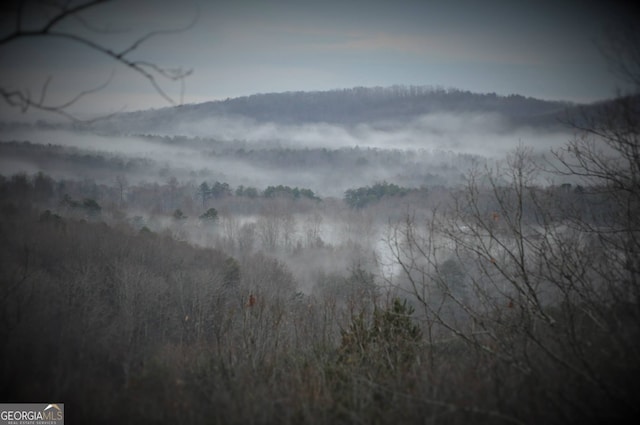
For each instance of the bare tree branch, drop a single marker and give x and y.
(150, 71)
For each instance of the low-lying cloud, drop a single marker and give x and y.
(431, 149)
(478, 134)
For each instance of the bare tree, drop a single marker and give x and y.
(546, 278)
(65, 20)
(530, 285)
(621, 48)
(121, 185)
(605, 158)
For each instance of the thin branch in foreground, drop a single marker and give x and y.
(148, 70)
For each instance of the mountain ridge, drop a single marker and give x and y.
(350, 107)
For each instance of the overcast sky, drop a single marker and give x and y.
(544, 49)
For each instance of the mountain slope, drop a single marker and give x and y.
(397, 104)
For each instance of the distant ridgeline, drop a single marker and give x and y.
(361, 104)
(346, 106)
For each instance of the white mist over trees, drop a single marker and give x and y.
(204, 279)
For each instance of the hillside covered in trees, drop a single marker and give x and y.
(383, 106)
(326, 273)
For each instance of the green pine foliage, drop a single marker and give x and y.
(362, 196)
(387, 344)
(210, 215)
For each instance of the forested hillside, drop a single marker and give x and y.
(384, 106)
(328, 171)
(198, 279)
(305, 253)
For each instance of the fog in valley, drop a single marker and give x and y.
(434, 149)
(382, 254)
(274, 237)
(430, 154)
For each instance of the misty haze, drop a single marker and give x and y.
(278, 250)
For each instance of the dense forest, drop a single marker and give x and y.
(154, 293)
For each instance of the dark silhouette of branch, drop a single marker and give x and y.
(152, 72)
